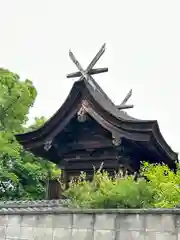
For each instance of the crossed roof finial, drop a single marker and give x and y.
(86, 75)
(89, 71)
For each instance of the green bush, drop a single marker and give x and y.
(159, 190)
(164, 183)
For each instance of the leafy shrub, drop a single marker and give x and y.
(161, 189)
(164, 183)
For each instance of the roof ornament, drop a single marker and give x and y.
(81, 115)
(47, 145)
(116, 140)
(86, 75)
(123, 103)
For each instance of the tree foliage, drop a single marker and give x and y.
(22, 175)
(38, 122)
(16, 98)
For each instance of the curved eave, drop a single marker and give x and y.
(159, 139)
(43, 131)
(76, 90)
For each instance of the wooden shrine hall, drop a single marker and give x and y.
(89, 129)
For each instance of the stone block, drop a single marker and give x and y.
(104, 235)
(63, 221)
(82, 234)
(133, 222)
(45, 233)
(27, 233)
(177, 223)
(160, 236)
(105, 221)
(13, 231)
(83, 221)
(28, 221)
(160, 223)
(3, 220)
(130, 235)
(2, 232)
(62, 234)
(14, 220)
(44, 220)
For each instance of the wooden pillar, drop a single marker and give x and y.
(65, 178)
(54, 191)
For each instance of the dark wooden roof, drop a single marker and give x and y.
(104, 111)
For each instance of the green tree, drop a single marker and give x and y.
(16, 98)
(22, 175)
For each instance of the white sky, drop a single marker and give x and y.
(143, 52)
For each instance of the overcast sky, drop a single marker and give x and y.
(142, 52)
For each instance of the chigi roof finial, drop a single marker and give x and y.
(89, 71)
(86, 76)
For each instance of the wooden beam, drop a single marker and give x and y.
(121, 107)
(91, 72)
(127, 97)
(78, 65)
(95, 59)
(91, 159)
(65, 178)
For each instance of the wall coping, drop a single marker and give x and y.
(57, 207)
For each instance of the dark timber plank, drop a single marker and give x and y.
(121, 107)
(91, 72)
(127, 97)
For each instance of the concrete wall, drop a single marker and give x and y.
(51, 221)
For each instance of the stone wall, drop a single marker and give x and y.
(49, 220)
